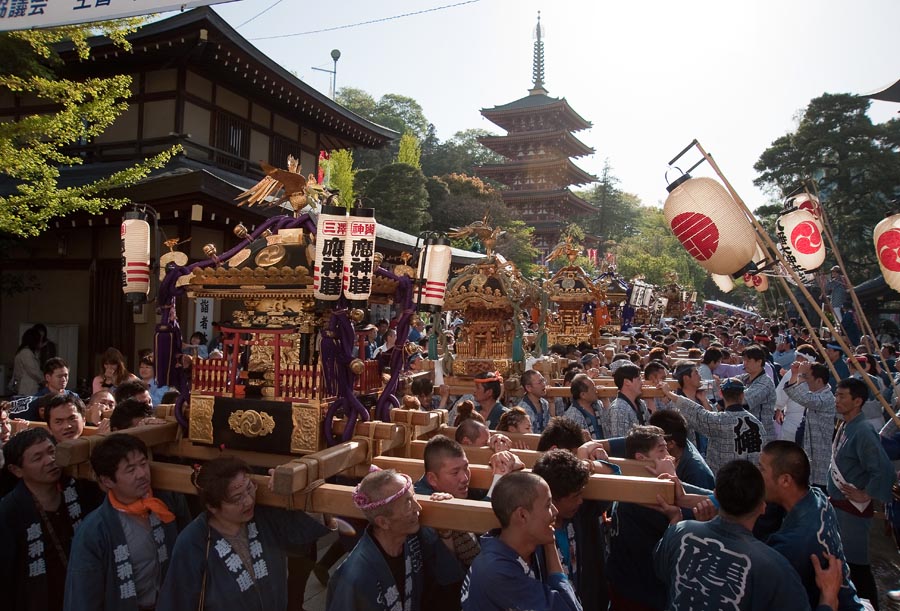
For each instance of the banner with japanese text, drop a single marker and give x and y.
(33, 14)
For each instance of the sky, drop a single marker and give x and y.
(650, 75)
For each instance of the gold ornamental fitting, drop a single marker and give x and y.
(251, 423)
(357, 315)
(378, 258)
(357, 367)
(210, 250)
(411, 348)
(240, 231)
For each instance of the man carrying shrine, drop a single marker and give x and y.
(396, 565)
(488, 388)
(121, 552)
(507, 574)
(720, 565)
(733, 433)
(38, 520)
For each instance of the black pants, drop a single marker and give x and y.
(864, 580)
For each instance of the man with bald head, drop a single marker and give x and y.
(396, 564)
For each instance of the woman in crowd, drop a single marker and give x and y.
(114, 372)
(515, 420)
(233, 555)
(27, 374)
(147, 372)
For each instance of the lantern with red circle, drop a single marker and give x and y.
(799, 236)
(710, 224)
(808, 202)
(887, 248)
(135, 235)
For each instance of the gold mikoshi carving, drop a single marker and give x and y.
(305, 436)
(251, 423)
(201, 427)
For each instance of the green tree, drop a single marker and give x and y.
(342, 175)
(402, 114)
(410, 151)
(855, 164)
(398, 194)
(469, 200)
(516, 245)
(617, 213)
(357, 101)
(458, 155)
(32, 148)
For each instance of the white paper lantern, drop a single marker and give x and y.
(887, 247)
(331, 237)
(434, 268)
(800, 238)
(725, 283)
(808, 202)
(710, 224)
(756, 281)
(135, 257)
(359, 254)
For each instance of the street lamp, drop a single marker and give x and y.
(335, 55)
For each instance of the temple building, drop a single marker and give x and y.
(539, 147)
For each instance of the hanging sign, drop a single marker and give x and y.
(331, 237)
(33, 14)
(359, 254)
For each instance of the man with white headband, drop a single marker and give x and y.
(396, 566)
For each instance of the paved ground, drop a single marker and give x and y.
(885, 565)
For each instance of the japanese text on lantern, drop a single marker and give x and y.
(330, 259)
(358, 258)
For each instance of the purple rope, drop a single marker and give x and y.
(404, 297)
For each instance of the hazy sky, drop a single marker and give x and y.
(649, 75)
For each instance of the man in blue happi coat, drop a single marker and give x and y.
(38, 520)
(121, 551)
(810, 526)
(396, 566)
(720, 565)
(507, 573)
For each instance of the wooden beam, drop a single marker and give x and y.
(470, 516)
(75, 451)
(430, 418)
(481, 456)
(302, 472)
(604, 392)
(184, 448)
(599, 487)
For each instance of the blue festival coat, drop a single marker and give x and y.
(99, 575)
(22, 536)
(364, 581)
(201, 549)
(500, 579)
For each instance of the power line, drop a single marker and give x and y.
(262, 12)
(371, 21)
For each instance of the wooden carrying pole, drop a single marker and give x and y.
(773, 249)
(599, 487)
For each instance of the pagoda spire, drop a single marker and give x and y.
(537, 71)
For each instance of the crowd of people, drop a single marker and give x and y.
(777, 453)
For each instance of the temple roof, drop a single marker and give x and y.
(573, 174)
(568, 144)
(556, 195)
(535, 104)
(219, 52)
(891, 93)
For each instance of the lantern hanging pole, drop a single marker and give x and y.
(762, 233)
(867, 327)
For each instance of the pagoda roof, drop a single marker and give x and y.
(568, 143)
(574, 174)
(889, 93)
(220, 53)
(536, 103)
(525, 197)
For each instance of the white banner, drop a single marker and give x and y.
(31, 14)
